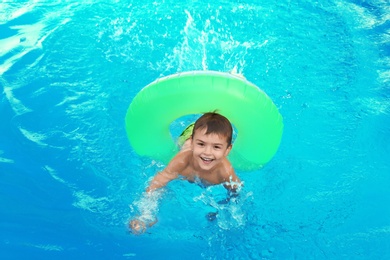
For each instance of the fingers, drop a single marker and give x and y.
(137, 227)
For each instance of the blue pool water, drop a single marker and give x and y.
(69, 180)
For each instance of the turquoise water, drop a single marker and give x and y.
(70, 181)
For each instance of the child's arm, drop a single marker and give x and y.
(161, 179)
(231, 181)
(233, 185)
(147, 219)
(149, 203)
(171, 172)
(147, 206)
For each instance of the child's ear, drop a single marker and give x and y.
(228, 150)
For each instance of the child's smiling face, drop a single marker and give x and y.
(208, 150)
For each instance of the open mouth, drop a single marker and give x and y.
(206, 160)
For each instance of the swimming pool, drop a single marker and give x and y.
(68, 72)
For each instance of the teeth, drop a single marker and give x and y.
(206, 159)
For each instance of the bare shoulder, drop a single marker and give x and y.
(179, 162)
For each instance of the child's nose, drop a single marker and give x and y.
(208, 149)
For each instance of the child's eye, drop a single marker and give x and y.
(200, 144)
(217, 147)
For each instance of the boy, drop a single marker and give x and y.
(202, 158)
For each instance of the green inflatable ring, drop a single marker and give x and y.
(254, 115)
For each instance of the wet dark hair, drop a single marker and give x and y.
(215, 124)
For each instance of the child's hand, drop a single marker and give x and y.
(138, 227)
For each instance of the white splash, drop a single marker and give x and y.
(89, 203)
(146, 207)
(34, 137)
(16, 104)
